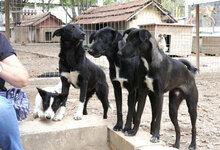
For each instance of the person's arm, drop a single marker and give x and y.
(14, 72)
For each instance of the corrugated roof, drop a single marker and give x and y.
(120, 12)
(31, 20)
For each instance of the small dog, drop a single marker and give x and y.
(122, 71)
(162, 74)
(162, 42)
(48, 103)
(206, 12)
(76, 70)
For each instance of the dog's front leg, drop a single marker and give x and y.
(131, 107)
(83, 90)
(158, 113)
(118, 99)
(142, 94)
(60, 114)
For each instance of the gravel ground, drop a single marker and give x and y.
(41, 58)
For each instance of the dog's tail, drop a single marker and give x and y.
(190, 67)
(49, 74)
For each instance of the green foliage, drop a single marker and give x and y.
(176, 7)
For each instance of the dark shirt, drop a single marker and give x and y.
(5, 51)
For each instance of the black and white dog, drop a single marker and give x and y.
(76, 70)
(48, 103)
(162, 74)
(122, 71)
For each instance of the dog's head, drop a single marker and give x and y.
(71, 32)
(214, 10)
(105, 42)
(136, 42)
(51, 102)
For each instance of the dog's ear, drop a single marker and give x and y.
(128, 31)
(91, 37)
(41, 92)
(144, 35)
(116, 36)
(58, 32)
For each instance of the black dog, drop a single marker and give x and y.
(77, 70)
(122, 71)
(162, 74)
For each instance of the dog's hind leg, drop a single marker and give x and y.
(191, 102)
(175, 98)
(102, 94)
(88, 96)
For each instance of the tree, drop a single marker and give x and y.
(174, 6)
(16, 9)
(81, 6)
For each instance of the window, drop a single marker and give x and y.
(48, 36)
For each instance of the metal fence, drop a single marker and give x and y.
(172, 24)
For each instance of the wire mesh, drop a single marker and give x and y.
(32, 23)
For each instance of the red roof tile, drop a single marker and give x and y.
(29, 20)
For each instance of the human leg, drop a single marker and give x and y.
(9, 131)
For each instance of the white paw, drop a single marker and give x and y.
(78, 116)
(58, 118)
(35, 115)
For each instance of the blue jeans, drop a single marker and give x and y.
(9, 131)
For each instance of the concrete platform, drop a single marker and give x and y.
(90, 133)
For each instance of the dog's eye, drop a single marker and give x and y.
(102, 38)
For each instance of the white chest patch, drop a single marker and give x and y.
(118, 78)
(149, 83)
(72, 77)
(49, 112)
(145, 63)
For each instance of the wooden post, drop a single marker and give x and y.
(7, 22)
(197, 37)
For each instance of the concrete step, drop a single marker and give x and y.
(90, 133)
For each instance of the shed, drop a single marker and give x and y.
(37, 28)
(124, 16)
(178, 37)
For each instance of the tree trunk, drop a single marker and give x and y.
(73, 10)
(16, 8)
(159, 1)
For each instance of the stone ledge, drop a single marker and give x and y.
(90, 133)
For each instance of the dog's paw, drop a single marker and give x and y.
(126, 129)
(155, 139)
(35, 115)
(58, 118)
(192, 146)
(131, 132)
(78, 116)
(117, 127)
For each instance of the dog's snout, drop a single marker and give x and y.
(83, 33)
(90, 51)
(48, 117)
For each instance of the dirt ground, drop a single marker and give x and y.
(43, 58)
